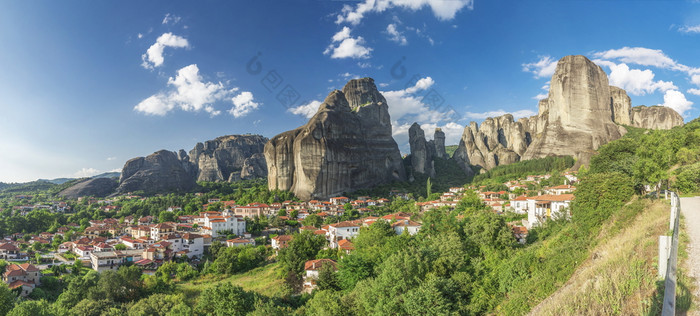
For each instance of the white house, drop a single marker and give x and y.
(340, 231)
(561, 189)
(240, 242)
(214, 224)
(406, 225)
(544, 207)
(311, 268)
(519, 204)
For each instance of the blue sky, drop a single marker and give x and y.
(86, 86)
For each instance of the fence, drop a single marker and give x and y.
(668, 257)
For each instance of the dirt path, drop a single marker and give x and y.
(690, 208)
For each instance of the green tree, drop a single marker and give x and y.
(166, 216)
(327, 278)
(7, 299)
(90, 307)
(31, 308)
(428, 188)
(327, 302)
(156, 304)
(225, 299)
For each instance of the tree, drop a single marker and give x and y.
(120, 247)
(90, 307)
(327, 279)
(225, 299)
(313, 220)
(31, 308)
(327, 302)
(282, 212)
(166, 216)
(156, 304)
(428, 188)
(7, 299)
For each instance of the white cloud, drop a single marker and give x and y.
(243, 104)
(677, 101)
(86, 172)
(540, 96)
(516, 115)
(346, 46)
(442, 9)
(306, 110)
(190, 93)
(395, 35)
(139, 35)
(690, 28)
(542, 68)
(694, 91)
(171, 19)
(453, 133)
(364, 65)
(154, 55)
(111, 158)
(405, 102)
(645, 57)
(116, 170)
(637, 82)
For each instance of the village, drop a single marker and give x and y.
(110, 243)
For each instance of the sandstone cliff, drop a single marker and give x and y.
(345, 146)
(160, 172)
(224, 158)
(422, 152)
(439, 143)
(655, 117)
(97, 187)
(621, 106)
(575, 119)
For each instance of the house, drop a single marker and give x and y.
(111, 260)
(406, 225)
(561, 189)
(160, 230)
(160, 251)
(548, 206)
(8, 251)
(340, 231)
(83, 251)
(280, 241)
(519, 204)
(214, 223)
(456, 189)
(346, 246)
(27, 276)
(194, 244)
(240, 242)
(341, 200)
(311, 269)
(520, 233)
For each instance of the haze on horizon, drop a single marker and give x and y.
(88, 86)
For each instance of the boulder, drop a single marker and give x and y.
(421, 155)
(220, 158)
(97, 187)
(655, 117)
(160, 172)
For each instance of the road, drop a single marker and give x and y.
(690, 208)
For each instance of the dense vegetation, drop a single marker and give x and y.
(524, 168)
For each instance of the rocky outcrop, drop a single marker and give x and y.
(160, 172)
(97, 187)
(224, 158)
(655, 117)
(621, 105)
(439, 142)
(575, 119)
(422, 152)
(347, 145)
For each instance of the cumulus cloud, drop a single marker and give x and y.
(345, 46)
(442, 9)
(645, 57)
(635, 81)
(693, 91)
(86, 172)
(171, 19)
(540, 96)
(243, 104)
(542, 68)
(483, 115)
(154, 55)
(189, 92)
(677, 101)
(395, 35)
(306, 110)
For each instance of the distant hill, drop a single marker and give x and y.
(57, 180)
(108, 175)
(450, 150)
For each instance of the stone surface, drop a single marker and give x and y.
(421, 155)
(347, 145)
(160, 172)
(97, 187)
(575, 119)
(655, 117)
(439, 142)
(621, 105)
(220, 158)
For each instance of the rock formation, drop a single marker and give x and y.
(224, 158)
(97, 187)
(621, 105)
(575, 119)
(422, 152)
(439, 142)
(160, 172)
(655, 117)
(347, 145)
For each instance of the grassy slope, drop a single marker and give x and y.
(264, 280)
(619, 277)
